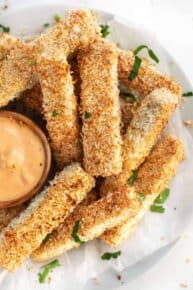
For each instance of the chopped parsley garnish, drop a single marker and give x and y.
(47, 269)
(129, 96)
(5, 28)
(158, 203)
(188, 94)
(75, 233)
(131, 179)
(150, 52)
(135, 68)
(57, 18)
(157, 208)
(163, 196)
(54, 113)
(108, 256)
(46, 25)
(87, 115)
(104, 30)
(141, 196)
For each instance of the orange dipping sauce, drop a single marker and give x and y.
(22, 158)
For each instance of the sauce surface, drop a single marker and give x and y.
(22, 159)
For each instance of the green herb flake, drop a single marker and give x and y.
(163, 196)
(131, 179)
(87, 115)
(5, 28)
(47, 269)
(141, 196)
(108, 256)
(188, 94)
(54, 113)
(129, 96)
(135, 69)
(57, 18)
(46, 25)
(150, 52)
(75, 233)
(104, 30)
(157, 208)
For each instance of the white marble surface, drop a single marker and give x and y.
(172, 21)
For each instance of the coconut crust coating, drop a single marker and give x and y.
(46, 211)
(7, 214)
(7, 43)
(60, 110)
(147, 124)
(153, 176)
(94, 219)
(148, 78)
(18, 69)
(100, 109)
(32, 100)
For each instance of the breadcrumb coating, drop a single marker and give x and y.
(7, 43)
(32, 100)
(127, 112)
(94, 219)
(60, 110)
(148, 78)
(46, 211)
(7, 214)
(147, 124)
(100, 109)
(18, 69)
(17, 72)
(153, 176)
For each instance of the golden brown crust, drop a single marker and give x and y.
(153, 177)
(94, 220)
(148, 122)
(25, 233)
(7, 214)
(100, 99)
(60, 110)
(7, 43)
(148, 78)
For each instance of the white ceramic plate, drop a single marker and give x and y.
(26, 19)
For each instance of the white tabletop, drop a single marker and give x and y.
(172, 20)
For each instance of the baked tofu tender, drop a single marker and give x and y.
(148, 78)
(18, 70)
(46, 211)
(146, 126)
(153, 177)
(94, 219)
(60, 110)
(100, 109)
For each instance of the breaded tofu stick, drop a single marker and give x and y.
(147, 124)
(46, 211)
(94, 219)
(32, 99)
(100, 109)
(60, 110)
(153, 178)
(7, 214)
(18, 70)
(148, 78)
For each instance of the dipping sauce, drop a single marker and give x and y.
(22, 158)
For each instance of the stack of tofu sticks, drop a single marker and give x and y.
(39, 72)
